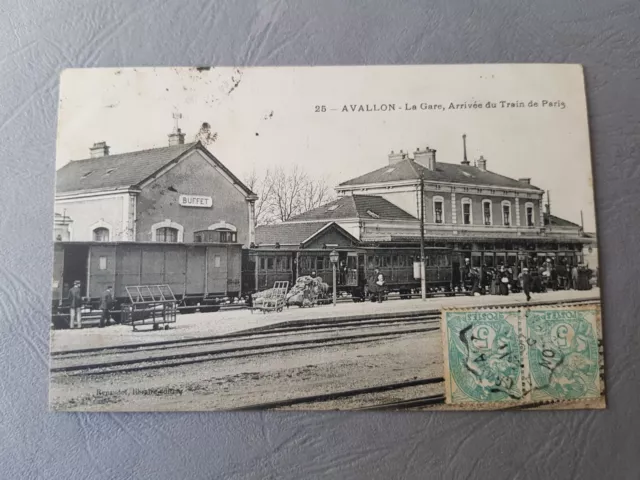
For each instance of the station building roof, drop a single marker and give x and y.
(300, 234)
(356, 206)
(408, 169)
(126, 170)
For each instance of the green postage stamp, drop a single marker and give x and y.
(503, 357)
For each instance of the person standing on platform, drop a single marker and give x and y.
(106, 303)
(525, 282)
(381, 286)
(503, 281)
(75, 303)
(574, 277)
(373, 285)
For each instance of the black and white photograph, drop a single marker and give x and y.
(288, 238)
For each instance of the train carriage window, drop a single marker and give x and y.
(402, 260)
(370, 262)
(216, 261)
(427, 260)
(103, 263)
(488, 259)
(263, 265)
(270, 263)
(326, 262)
(443, 260)
(394, 260)
(278, 264)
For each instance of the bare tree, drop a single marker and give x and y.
(315, 193)
(285, 193)
(262, 185)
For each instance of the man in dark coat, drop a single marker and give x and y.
(106, 303)
(373, 285)
(525, 282)
(75, 303)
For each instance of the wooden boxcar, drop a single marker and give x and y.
(197, 273)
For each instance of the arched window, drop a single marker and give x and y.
(487, 215)
(221, 232)
(167, 234)
(167, 231)
(467, 212)
(438, 210)
(101, 234)
(220, 235)
(506, 213)
(529, 214)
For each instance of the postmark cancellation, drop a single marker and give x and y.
(523, 357)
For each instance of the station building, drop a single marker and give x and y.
(177, 193)
(479, 214)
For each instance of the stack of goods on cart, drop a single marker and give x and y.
(259, 298)
(307, 291)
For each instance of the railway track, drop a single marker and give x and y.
(295, 327)
(142, 358)
(350, 394)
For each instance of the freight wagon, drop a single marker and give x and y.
(262, 267)
(200, 275)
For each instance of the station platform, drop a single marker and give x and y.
(198, 325)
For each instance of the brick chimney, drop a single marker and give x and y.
(525, 180)
(482, 163)
(99, 149)
(464, 149)
(176, 138)
(396, 157)
(426, 158)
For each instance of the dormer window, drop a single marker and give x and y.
(333, 207)
(372, 214)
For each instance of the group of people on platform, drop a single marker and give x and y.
(503, 280)
(76, 305)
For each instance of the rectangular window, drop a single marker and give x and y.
(103, 263)
(269, 263)
(529, 216)
(506, 215)
(466, 213)
(486, 208)
(488, 259)
(216, 261)
(262, 264)
(437, 206)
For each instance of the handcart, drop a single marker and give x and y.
(274, 300)
(150, 305)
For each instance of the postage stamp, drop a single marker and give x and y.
(500, 358)
(483, 358)
(563, 352)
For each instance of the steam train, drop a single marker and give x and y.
(205, 275)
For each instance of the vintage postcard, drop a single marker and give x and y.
(324, 238)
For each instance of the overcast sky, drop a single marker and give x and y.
(266, 117)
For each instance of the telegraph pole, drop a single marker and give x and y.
(423, 280)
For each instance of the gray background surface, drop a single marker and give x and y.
(39, 38)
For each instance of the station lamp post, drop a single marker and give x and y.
(334, 257)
